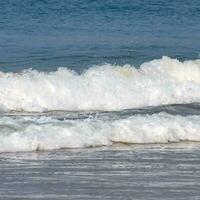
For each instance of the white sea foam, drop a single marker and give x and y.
(106, 87)
(42, 133)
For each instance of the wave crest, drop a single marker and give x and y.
(105, 87)
(45, 133)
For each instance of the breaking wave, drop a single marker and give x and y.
(105, 87)
(51, 110)
(31, 133)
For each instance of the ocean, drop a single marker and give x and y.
(99, 99)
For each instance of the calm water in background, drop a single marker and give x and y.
(77, 34)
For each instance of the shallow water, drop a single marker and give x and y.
(121, 172)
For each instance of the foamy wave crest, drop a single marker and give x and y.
(45, 133)
(106, 87)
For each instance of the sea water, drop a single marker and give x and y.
(93, 74)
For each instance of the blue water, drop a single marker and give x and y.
(77, 34)
(120, 111)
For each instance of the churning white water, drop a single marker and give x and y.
(42, 133)
(105, 87)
